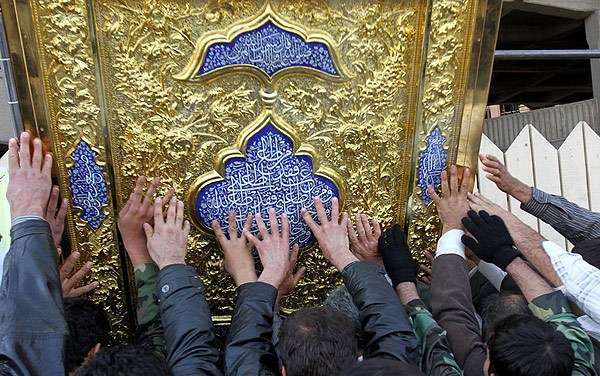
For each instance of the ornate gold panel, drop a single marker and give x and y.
(126, 77)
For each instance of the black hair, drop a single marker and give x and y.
(317, 341)
(382, 367)
(88, 326)
(131, 360)
(524, 345)
(498, 306)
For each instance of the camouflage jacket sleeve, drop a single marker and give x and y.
(554, 309)
(435, 356)
(149, 327)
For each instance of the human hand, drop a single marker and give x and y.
(332, 235)
(364, 246)
(399, 263)
(477, 203)
(507, 183)
(492, 241)
(55, 216)
(291, 278)
(273, 248)
(237, 260)
(29, 177)
(69, 281)
(167, 240)
(452, 206)
(138, 210)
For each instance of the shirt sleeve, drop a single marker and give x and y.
(554, 309)
(149, 328)
(570, 220)
(435, 356)
(581, 280)
(451, 244)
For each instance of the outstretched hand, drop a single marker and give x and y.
(452, 206)
(237, 258)
(332, 235)
(273, 248)
(397, 259)
(55, 215)
(492, 241)
(364, 237)
(70, 282)
(167, 239)
(507, 183)
(30, 181)
(139, 210)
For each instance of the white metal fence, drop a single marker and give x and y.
(572, 171)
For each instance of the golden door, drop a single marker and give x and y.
(248, 104)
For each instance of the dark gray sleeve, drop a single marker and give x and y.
(250, 350)
(32, 324)
(570, 220)
(452, 308)
(386, 327)
(186, 320)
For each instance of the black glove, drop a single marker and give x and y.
(399, 263)
(492, 242)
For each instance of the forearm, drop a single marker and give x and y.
(436, 357)
(187, 323)
(32, 324)
(385, 323)
(529, 242)
(532, 285)
(570, 220)
(149, 326)
(249, 348)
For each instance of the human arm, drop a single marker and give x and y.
(527, 240)
(249, 349)
(570, 220)
(184, 311)
(388, 332)
(436, 358)
(32, 324)
(139, 210)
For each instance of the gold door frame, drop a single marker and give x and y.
(457, 64)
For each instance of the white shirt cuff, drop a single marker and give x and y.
(451, 244)
(493, 273)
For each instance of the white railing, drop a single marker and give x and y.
(572, 171)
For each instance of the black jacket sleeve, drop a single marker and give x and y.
(387, 329)
(249, 344)
(32, 323)
(185, 316)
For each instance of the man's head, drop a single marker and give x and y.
(88, 331)
(129, 360)
(523, 345)
(382, 367)
(317, 341)
(498, 306)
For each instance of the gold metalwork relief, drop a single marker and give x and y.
(121, 74)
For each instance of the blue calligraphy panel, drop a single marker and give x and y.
(88, 186)
(270, 49)
(270, 176)
(432, 161)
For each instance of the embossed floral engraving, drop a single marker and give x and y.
(88, 186)
(270, 49)
(432, 161)
(269, 176)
